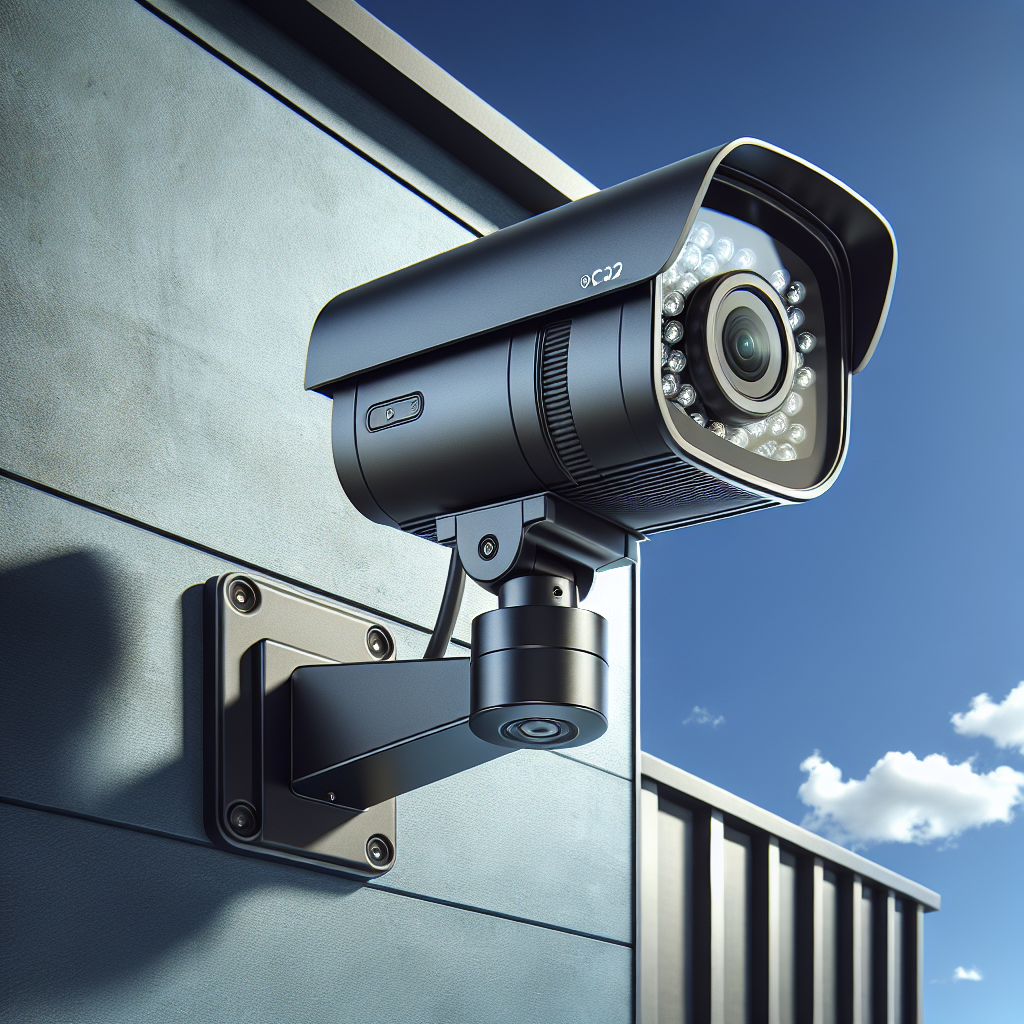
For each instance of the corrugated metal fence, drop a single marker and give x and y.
(746, 918)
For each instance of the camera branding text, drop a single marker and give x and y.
(599, 276)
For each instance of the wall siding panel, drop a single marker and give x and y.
(171, 231)
(105, 924)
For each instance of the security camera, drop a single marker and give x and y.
(673, 350)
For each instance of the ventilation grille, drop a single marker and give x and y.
(664, 485)
(425, 528)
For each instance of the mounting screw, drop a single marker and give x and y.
(379, 643)
(331, 797)
(242, 820)
(378, 851)
(488, 547)
(243, 594)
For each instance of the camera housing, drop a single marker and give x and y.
(673, 350)
(532, 360)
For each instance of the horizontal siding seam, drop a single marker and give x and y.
(98, 819)
(589, 764)
(206, 844)
(215, 552)
(304, 114)
(496, 913)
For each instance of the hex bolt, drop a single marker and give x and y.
(379, 643)
(242, 820)
(378, 851)
(243, 595)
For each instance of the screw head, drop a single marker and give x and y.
(379, 643)
(242, 820)
(379, 851)
(488, 547)
(243, 595)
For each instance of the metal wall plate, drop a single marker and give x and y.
(256, 634)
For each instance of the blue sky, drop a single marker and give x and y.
(896, 597)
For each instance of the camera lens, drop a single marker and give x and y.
(740, 349)
(746, 344)
(540, 731)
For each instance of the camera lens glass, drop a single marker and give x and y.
(540, 731)
(746, 344)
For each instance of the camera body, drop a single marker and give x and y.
(676, 349)
(672, 350)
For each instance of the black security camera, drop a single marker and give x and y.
(675, 349)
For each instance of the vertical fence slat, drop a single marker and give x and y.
(647, 939)
(818, 940)
(716, 873)
(918, 961)
(890, 959)
(774, 908)
(857, 1001)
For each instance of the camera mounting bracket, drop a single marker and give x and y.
(312, 729)
(257, 633)
(542, 535)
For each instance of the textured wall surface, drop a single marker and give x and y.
(170, 231)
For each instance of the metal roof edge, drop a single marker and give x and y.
(378, 60)
(682, 781)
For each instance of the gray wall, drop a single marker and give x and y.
(171, 228)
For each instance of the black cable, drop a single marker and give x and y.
(451, 602)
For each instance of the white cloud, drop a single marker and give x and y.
(960, 974)
(701, 716)
(1003, 722)
(905, 800)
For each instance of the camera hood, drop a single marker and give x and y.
(606, 242)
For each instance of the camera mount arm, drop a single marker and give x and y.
(537, 676)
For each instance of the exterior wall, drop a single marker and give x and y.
(172, 223)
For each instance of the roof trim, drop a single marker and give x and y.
(683, 782)
(364, 50)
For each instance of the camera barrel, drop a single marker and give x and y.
(545, 662)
